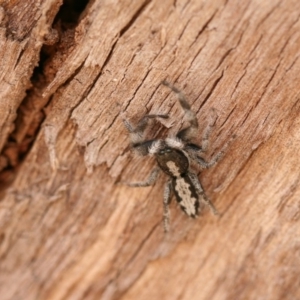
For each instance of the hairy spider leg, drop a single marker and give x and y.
(207, 131)
(137, 133)
(188, 133)
(206, 165)
(167, 201)
(193, 150)
(201, 193)
(143, 123)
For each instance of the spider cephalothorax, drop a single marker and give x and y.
(174, 156)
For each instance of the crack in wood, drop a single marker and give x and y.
(215, 84)
(267, 15)
(30, 115)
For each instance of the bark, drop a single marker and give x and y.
(69, 73)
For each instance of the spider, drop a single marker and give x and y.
(174, 156)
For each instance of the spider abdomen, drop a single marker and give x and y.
(186, 195)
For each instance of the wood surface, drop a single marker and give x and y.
(68, 75)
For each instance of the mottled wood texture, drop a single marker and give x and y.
(67, 230)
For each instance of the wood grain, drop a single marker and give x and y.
(67, 230)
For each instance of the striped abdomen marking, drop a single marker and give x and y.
(186, 195)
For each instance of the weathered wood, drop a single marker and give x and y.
(23, 30)
(68, 231)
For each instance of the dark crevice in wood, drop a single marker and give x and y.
(236, 26)
(181, 34)
(224, 57)
(228, 116)
(134, 17)
(71, 11)
(226, 54)
(185, 5)
(94, 81)
(248, 63)
(19, 57)
(137, 88)
(285, 44)
(266, 118)
(246, 117)
(212, 89)
(268, 83)
(238, 83)
(292, 64)
(206, 24)
(197, 54)
(30, 114)
(72, 77)
(256, 46)
(151, 97)
(203, 28)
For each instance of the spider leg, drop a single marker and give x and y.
(207, 132)
(201, 193)
(216, 158)
(167, 201)
(204, 164)
(137, 133)
(193, 151)
(142, 124)
(190, 131)
(150, 180)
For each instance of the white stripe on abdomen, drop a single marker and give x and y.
(187, 202)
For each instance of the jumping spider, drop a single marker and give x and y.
(174, 156)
